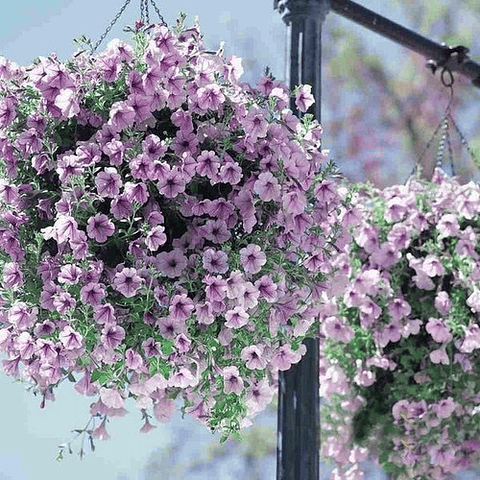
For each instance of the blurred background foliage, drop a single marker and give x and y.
(383, 104)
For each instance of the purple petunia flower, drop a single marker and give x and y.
(108, 182)
(112, 335)
(252, 258)
(172, 184)
(121, 207)
(121, 116)
(93, 293)
(215, 261)
(304, 98)
(155, 237)
(100, 227)
(70, 339)
(236, 318)
(438, 330)
(127, 282)
(233, 382)
(267, 187)
(172, 263)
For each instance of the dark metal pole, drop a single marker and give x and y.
(298, 442)
(440, 54)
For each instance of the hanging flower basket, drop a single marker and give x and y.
(400, 341)
(160, 236)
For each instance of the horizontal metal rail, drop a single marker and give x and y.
(455, 59)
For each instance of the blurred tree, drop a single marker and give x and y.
(198, 457)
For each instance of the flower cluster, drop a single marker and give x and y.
(400, 339)
(165, 228)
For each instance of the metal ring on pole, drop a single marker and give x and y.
(446, 71)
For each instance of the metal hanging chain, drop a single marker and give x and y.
(112, 23)
(447, 80)
(144, 16)
(154, 5)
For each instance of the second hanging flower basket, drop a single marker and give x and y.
(400, 337)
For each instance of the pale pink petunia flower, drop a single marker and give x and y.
(181, 307)
(285, 357)
(65, 228)
(111, 397)
(236, 318)
(70, 339)
(442, 303)
(67, 102)
(210, 97)
(400, 409)
(112, 335)
(69, 274)
(438, 330)
(398, 308)
(182, 379)
(104, 313)
(448, 226)
(304, 98)
(93, 293)
(147, 426)
(255, 124)
(445, 407)
(121, 116)
(215, 261)
(100, 432)
(365, 378)
(63, 302)
(12, 275)
(204, 313)
(137, 192)
(391, 333)
(259, 395)
(233, 382)
(172, 184)
(335, 329)
(267, 288)
(472, 339)
(155, 238)
(411, 327)
(121, 207)
(254, 357)
(473, 301)
(432, 266)
(216, 288)
(164, 409)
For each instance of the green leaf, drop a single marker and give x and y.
(99, 376)
(167, 346)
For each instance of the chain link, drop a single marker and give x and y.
(144, 12)
(147, 16)
(112, 23)
(158, 12)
